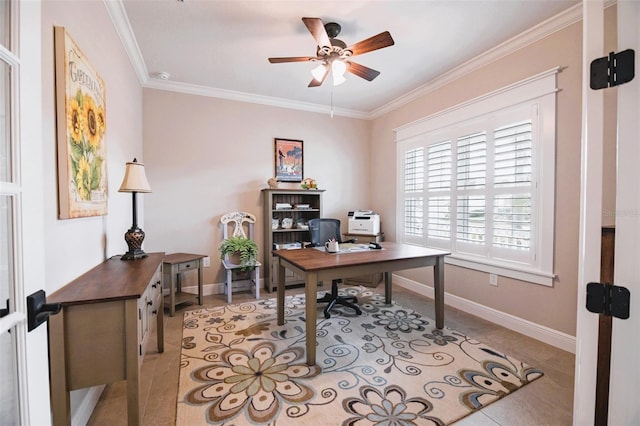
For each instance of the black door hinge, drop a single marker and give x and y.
(607, 299)
(613, 70)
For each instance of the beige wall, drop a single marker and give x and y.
(552, 307)
(206, 157)
(74, 246)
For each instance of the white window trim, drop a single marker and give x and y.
(540, 88)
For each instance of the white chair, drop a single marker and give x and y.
(241, 224)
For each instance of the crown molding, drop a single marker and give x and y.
(123, 28)
(534, 34)
(193, 89)
(118, 15)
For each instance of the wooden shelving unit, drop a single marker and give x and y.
(281, 236)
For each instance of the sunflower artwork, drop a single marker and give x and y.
(80, 96)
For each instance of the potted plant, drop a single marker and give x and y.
(243, 249)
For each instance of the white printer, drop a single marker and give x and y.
(364, 222)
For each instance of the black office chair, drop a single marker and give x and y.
(323, 230)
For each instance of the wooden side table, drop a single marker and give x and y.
(174, 265)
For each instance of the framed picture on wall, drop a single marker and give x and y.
(81, 124)
(289, 161)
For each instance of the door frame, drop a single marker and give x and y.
(625, 377)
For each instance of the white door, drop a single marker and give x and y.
(625, 376)
(24, 384)
(625, 355)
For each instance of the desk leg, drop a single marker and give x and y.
(132, 348)
(387, 287)
(172, 290)
(200, 282)
(438, 284)
(311, 295)
(280, 293)
(60, 402)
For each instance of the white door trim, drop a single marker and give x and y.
(590, 215)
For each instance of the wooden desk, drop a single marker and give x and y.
(103, 330)
(174, 265)
(319, 266)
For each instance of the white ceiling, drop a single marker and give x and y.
(220, 47)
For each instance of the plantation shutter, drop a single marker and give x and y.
(512, 200)
(413, 189)
(478, 179)
(439, 194)
(471, 180)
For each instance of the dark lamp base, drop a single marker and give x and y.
(133, 255)
(134, 238)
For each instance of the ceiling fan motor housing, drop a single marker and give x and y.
(333, 29)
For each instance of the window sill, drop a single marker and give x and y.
(519, 273)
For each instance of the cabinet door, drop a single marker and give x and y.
(148, 308)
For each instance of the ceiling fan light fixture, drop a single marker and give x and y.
(338, 79)
(338, 69)
(320, 72)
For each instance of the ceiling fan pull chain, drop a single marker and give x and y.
(331, 101)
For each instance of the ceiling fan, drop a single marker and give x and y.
(334, 55)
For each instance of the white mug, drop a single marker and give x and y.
(332, 246)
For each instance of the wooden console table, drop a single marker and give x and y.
(103, 330)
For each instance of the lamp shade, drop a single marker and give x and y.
(135, 179)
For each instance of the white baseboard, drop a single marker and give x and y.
(528, 328)
(87, 405)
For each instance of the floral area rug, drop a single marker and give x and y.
(388, 366)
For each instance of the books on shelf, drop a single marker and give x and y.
(283, 206)
(287, 246)
(303, 206)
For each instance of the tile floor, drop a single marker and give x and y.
(547, 401)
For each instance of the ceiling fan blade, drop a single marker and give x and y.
(317, 30)
(372, 43)
(317, 83)
(362, 71)
(292, 59)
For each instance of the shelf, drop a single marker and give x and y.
(290, 197)
(182, 297)
(295, 210)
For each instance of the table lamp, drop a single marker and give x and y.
(135, 180)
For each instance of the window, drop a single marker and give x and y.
(478, 180)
